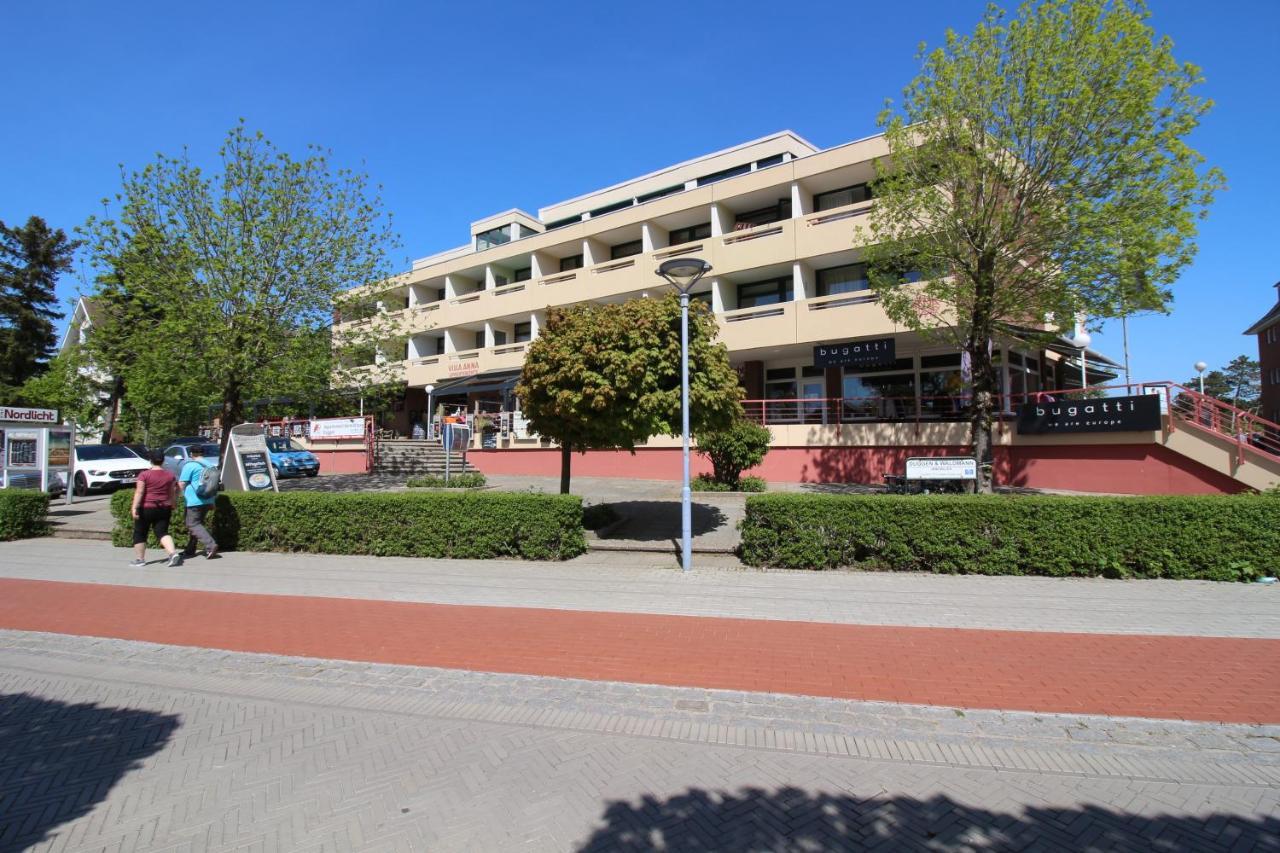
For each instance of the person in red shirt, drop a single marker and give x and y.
(153, 499)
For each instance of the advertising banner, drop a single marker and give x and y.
(337, 428)
(942, 468)
(1135, 413)
(23, 449)
(876, 352)
(58, 450)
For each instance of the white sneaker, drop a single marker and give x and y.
(138, 564)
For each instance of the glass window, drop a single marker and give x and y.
(282, 445)
(479, 340)
(704, 298)
(841, 197)
(665, 191)
(524, 230)
(942, 392)
(499, 337)
(846, 279)
(572, 262)
(523, 332)
(879, 396)
(769, 161)
(523, 274)
(439, 346)
(493, 237)
(626, 250)
(560, 223)
(779, 373)
(724, 173)
(100, 452)
(781, 391)
(769, 292)
(679, 236)
(610, 208)
(765, 215)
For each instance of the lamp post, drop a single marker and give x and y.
(1082, 339)
(1201, 367)
(683, 274)
(430, 389)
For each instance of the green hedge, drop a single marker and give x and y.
(473, 525)
(23, 513)
(1210, 537)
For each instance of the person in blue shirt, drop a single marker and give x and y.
(197, 507)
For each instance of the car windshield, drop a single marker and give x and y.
(211, 451)
(281, 445)
(99, 452)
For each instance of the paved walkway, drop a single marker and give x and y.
(113, 745)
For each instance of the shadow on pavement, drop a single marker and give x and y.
(790, 819)
(59, 760)
(659, 521)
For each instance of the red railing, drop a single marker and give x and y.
(1247, 430)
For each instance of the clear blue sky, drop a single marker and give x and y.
(461, 111)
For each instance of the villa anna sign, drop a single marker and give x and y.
(1105, 414)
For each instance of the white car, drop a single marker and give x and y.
(106, 466)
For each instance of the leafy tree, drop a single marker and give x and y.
(31, 258)
(741, 446)
(1238, 383)
(221, 290)
(608, 376)
(70, 385)
(1038, 168)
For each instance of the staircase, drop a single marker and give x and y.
(1232, 441)
(410, 457)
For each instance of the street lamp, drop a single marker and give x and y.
(430, 389)
(1201, 367)
(1082, 339)
(684, 273)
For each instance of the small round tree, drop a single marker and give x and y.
(734, 450)
(608, 376)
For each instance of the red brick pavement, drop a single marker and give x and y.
(1195, 678)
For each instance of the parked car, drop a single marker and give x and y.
(106, 466)
(140, 449)
(177, 455)
(290, 460)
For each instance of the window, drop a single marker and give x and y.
(493, 237)
(846, 279)
(626, 250)
(704, 298)
(769, 292)
(480, 340)
(780, 389)
(765, 215)
(572, 262)
(499, 337)
(884, 393)
(724, 173)
(680, 236)
(769, 161)
(1272, 335)
(659, 193)
(439, 346)
(841, 197)
(523, 332)
(560, 223)
(524, 231)
(523, 274)
(941, 385)
(610, 208)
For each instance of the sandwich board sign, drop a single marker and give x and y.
(247, 465)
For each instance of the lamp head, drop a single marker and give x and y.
(1081, 339)
(684, 273)
(429, 388)
(1200, 367)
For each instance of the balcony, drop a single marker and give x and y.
(456, 365)
(759, 246)
(831, 230)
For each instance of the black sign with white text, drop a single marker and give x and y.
(877, 352)
(1103, 414)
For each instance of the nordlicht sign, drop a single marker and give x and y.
(29, 416)
(1105, 414)
(877, 352)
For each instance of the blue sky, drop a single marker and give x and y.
(463, 110)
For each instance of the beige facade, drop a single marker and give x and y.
(780, 222)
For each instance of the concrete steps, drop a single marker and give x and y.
(410, 457)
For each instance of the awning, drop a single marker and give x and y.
(493, 380)
(1059, 343)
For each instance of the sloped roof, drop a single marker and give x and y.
(1269, 319)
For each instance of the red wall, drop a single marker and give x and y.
(1115, 468)
(341, 461)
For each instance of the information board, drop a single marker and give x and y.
(337, 428)
(942, 468)
(247, 465)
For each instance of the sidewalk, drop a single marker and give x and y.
(802, 633)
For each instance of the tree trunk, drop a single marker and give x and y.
(113, 405)
(565, 461)
(232, 414)
(985, 388)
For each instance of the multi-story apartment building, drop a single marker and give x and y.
(778, 220)
(1268, 331)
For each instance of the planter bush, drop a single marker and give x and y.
(1209, 537)
(475, 525)
(703, 483)
(24, 513)
(471, 480)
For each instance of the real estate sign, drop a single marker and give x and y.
(337, 428)
(1135, 413)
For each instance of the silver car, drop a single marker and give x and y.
(177, 455)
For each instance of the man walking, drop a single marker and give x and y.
(198, 505)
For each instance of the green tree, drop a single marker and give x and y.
(220, 290)
(1036, 169)
(1238, 383)
(70, 385)
(608, 376)
(31, 258)
(741, 446)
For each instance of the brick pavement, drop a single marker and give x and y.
(1196, 678)
(122, 745)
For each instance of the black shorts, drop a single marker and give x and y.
(153, 517)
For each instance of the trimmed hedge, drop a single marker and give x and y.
(475, 525)
(706, 483)
(24, 513)
(1227, 538)
(469, 480)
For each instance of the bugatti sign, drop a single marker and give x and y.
(1105, 414)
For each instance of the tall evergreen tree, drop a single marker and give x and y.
(31, 258)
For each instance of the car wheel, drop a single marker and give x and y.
(82, 486)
